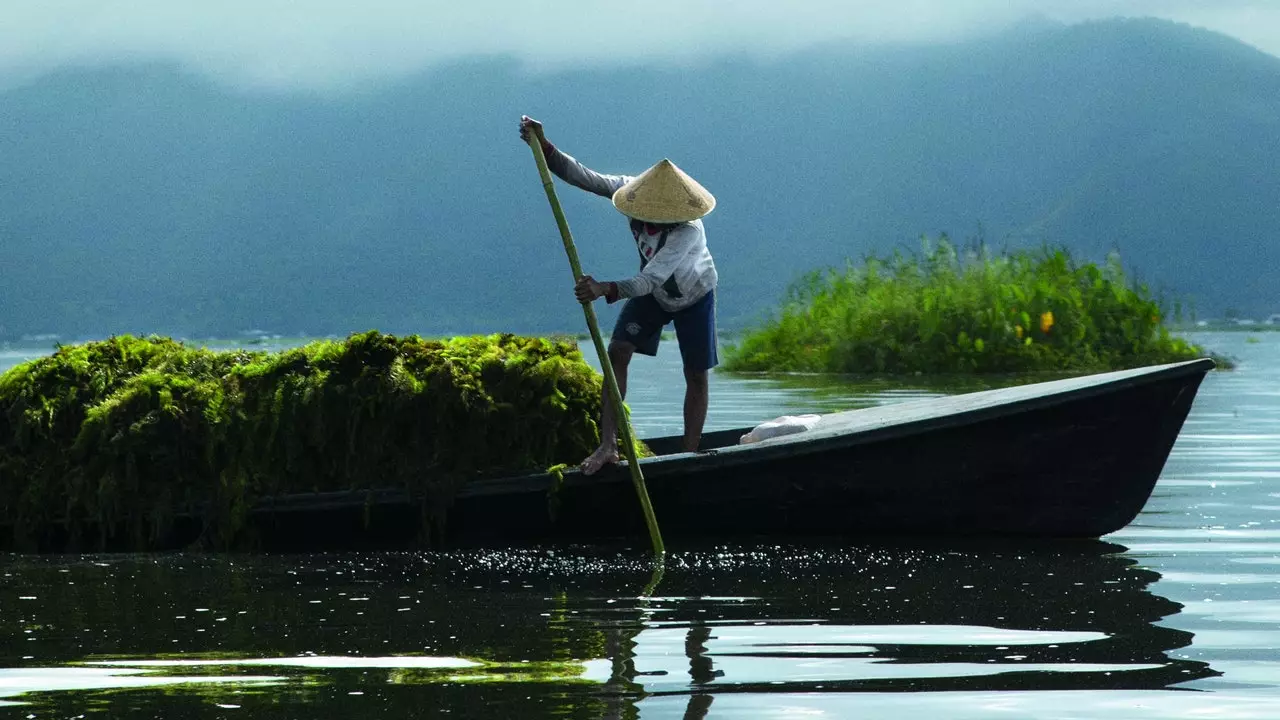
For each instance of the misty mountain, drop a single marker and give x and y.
(141, 198)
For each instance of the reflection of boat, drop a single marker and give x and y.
(979, 617)
(1076, 457)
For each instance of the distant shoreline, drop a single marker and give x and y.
(15, 352)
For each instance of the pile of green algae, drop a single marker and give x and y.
(106, 443)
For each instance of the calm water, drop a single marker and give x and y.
(1177, 616)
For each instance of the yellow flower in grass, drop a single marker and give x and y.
(1046, 321)
(1017, 330)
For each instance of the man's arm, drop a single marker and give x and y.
(575, 173)
(567, 168)
(681, 243)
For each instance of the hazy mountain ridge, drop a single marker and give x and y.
(141, 198)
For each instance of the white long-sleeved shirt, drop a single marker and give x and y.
(675, 265)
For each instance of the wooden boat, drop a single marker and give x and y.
(1067, 458)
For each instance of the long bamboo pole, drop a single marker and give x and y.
(610, 381)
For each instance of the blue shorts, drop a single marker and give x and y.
(641, 321)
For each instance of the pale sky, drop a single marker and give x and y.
(320, 43)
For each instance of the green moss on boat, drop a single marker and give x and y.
(946, 311)
(122, 436)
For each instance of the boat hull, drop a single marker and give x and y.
(1075, 458)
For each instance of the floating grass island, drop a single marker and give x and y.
(104, 444)
(943, 311)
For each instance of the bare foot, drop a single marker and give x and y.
(598, 459)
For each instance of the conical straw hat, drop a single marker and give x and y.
(663, 194)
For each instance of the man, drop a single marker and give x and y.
(676, 282)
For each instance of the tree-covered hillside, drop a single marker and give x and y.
(144, 199)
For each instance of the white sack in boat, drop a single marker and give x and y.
(785, 425)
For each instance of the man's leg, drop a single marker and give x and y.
(696, 333)
(620, 358)
(638, 330)
(695, 407)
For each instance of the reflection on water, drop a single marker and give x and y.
(1175, 616)
(965, 620)
(1132, 705)
(304, 661)
(450, 628)
(19, 682)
